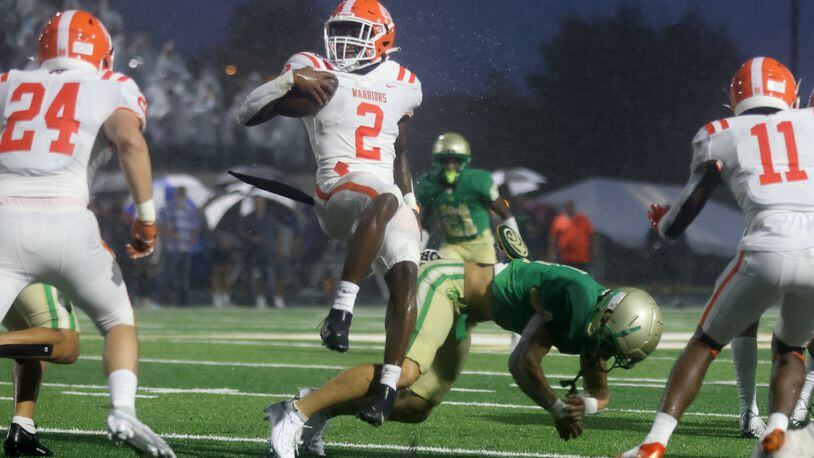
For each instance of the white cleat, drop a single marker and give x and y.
(285, 430)
(751, 425)
(802, 412)
(124, 427)
(313, 435)
(798, 444)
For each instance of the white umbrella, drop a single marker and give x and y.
(243, 194)
(519, 180)
(197, 192)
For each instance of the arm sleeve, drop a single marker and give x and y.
(132, 99)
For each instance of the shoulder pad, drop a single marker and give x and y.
(307, 59)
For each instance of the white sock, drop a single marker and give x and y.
(345, 296)
(390, 375)
(123, 384)
(662, 429)
(298, 413)
(744, 358)
(26, 423)
(805, 395)
(777, 421)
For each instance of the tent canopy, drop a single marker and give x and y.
(618, 209)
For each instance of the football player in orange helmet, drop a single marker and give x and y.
(100, 109)
(356, 104)
(736, 151)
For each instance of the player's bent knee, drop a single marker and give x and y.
(411, 408)
(701, 338)
(67, 352)
(780, 349)
(385, 206)
(122, 316)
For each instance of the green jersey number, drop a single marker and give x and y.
(457, 221)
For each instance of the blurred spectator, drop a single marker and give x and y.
(180, 224)
(572, 237)
(259, 231)
(223, 264)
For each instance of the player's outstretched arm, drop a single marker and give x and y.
(691, 201)
(295, 93)
(525, 367)
(123, 129)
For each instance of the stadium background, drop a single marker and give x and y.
(571, 90)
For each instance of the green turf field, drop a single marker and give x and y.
(207, 374)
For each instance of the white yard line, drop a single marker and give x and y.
(349, 445)
(272, 343)
(103, 395)
(534, 407)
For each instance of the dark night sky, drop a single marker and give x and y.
(451, 45)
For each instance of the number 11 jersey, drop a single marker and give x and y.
(357, 130)
(767, 161)
(52, 142)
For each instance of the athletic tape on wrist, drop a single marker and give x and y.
(557, 409)
(145, 211)
(590, 403)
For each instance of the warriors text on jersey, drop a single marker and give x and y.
(50, 145)
(768, 164)
(357, 130)
(570, 296)
(463, 208)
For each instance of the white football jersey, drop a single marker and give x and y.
(52, 142)
(357, 130)
(768, 163)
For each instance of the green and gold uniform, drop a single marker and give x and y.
(41, 305)
(464, 212)
(441, 339)
(570, 296)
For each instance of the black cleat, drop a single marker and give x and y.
(20, 442)
(379, 409)
(335, 330)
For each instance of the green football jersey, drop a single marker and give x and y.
(569, 295)
(464, 207)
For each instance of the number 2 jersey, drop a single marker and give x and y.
(767, 161)
(52, 140)
(357, 130)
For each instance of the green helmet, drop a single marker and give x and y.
(628, 326)
(451, 144)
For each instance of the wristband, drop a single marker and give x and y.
(409, 199)
(145, 211)
(590, 404)
(557, 409)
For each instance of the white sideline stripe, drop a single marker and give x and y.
(533, 407)
(104, 395)
(226, 363)
(350, 445)
(323, 366)
(473, 390)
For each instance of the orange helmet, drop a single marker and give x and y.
(358, 34)
(75, 39)
(762, 82)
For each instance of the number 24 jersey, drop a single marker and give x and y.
(357, 130)
(50, 144)
(767, 161)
